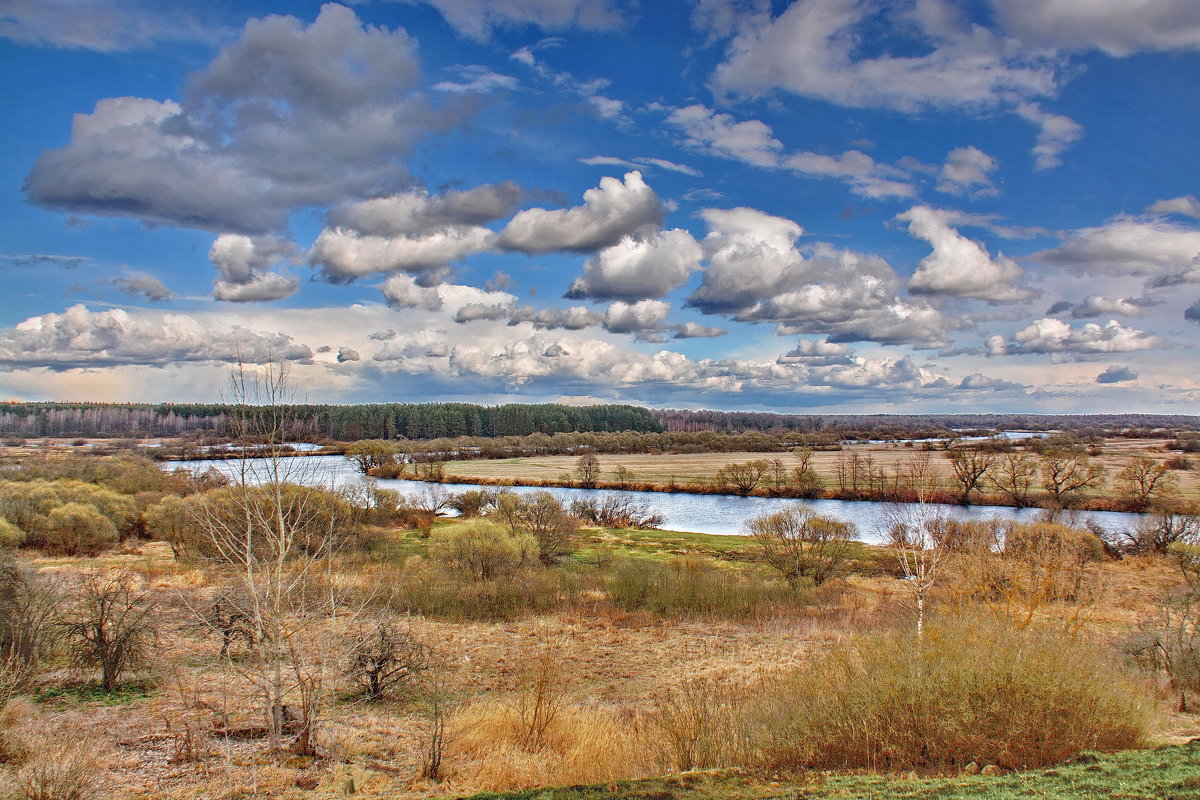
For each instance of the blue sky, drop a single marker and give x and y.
(817, 206)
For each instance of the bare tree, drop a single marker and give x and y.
(742, 477)
(368, 454)
(1066, 473)
(109, 626)
(29, 633)
(587, 467)
(971, 465)
(272, 540)
(1013, 475)
(799, 544)
(1143, 480)
(916, 535)
(384, 657)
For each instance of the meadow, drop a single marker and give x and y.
(293, 642)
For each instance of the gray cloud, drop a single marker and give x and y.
(980, 381)
(345, 354)
(402, 291)
(967, 171)
(1115, 27)
(418, 212)
(1187, 205)
(243, 268)
(644, 318)
(79, 338)
(610, 212)
(635, 269)
(95, 25)
(1177, 277)
(477, 79)
(1056, 133)
(753, 142)
(694, 330)
(286, 116)
(29, 259)
(1192, 312)
(816, 48)
(958, 266)
(473, 312)
(344, 255)
(1126, 246)
(1055, 337)
(1115, 374)
(818, 352)
(146, 286)
(477, 19)
(1096, 306)
(757, 274)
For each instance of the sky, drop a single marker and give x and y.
(849, 206)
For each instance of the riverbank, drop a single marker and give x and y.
(936, 497)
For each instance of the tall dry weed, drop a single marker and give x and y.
(969, 690)
(63, 768)
(582, 744)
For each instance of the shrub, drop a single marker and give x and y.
(801, 545)
(10, 535)
(213, 524)
(29, 505)
(109, 627)
(483, 552)
(616, 511)
(966, 691)
(385, 657)
(76, 529)
(28, 621)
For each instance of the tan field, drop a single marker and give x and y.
(615, 665)
(702, 467)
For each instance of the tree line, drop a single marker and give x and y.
(311, 421)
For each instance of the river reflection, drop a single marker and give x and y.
(721, 514)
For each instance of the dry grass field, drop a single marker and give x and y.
(624, 655)
(701, 468)
(613, 667)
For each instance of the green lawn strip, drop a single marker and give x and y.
(1166, 773)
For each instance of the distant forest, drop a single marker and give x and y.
(447, 420)
(308, 422)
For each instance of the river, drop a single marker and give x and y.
(695, 513)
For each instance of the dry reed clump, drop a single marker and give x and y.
(62, 768)
(15, 716)
(967, 691)
(491, 750)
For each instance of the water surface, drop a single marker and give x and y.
(696, 513)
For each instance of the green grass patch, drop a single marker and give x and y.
(1164, 773)
(93, 692)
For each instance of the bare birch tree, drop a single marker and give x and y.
(273, 540)
(916, 534)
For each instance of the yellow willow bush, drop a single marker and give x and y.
(969, 690)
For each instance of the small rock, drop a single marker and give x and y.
(971, 769)
(991, 770)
